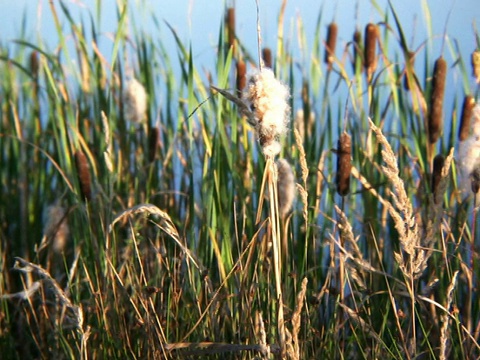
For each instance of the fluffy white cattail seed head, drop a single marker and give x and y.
(56, 227)
(268, 100)
(469, 154)
(135, 101)
(285, 186)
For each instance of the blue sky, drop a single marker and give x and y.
(198, 20)
(197, 23)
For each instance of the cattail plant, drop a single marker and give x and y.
(332, 32)
(408, 67)
(153, 143)
(467, 111)
(135, 101)
(476, 65)
(267, 57)
(56, 229)
(435, 113)
(469, 152)
(241, 76)
(344, 164)
(438, 163)
(357, 41)
(304, 124)
(370, 50)
(34, 64)
(83, 173)
(268, 100)
(230, 20)
(285, 186)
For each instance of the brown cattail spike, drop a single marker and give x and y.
(332, 32)
(344, 164)
(467, 112)
(153, 144)
(267, 57)
(83, 175)
(241, 76)
(231, 28)
(435, 114)
(34, 64)
(438, 163)
(370, 48)
(357, 40)
(475, 179)
(476, 65)
(408, 68)
(286, 187)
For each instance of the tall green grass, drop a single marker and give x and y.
(173, 255)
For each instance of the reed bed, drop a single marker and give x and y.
(244, 209)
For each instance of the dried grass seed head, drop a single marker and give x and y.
(476, 65)
(268, 98)
(286, 187)
(135, 101)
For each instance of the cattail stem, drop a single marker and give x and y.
(276, 242)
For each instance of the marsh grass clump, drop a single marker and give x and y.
(190, 243)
